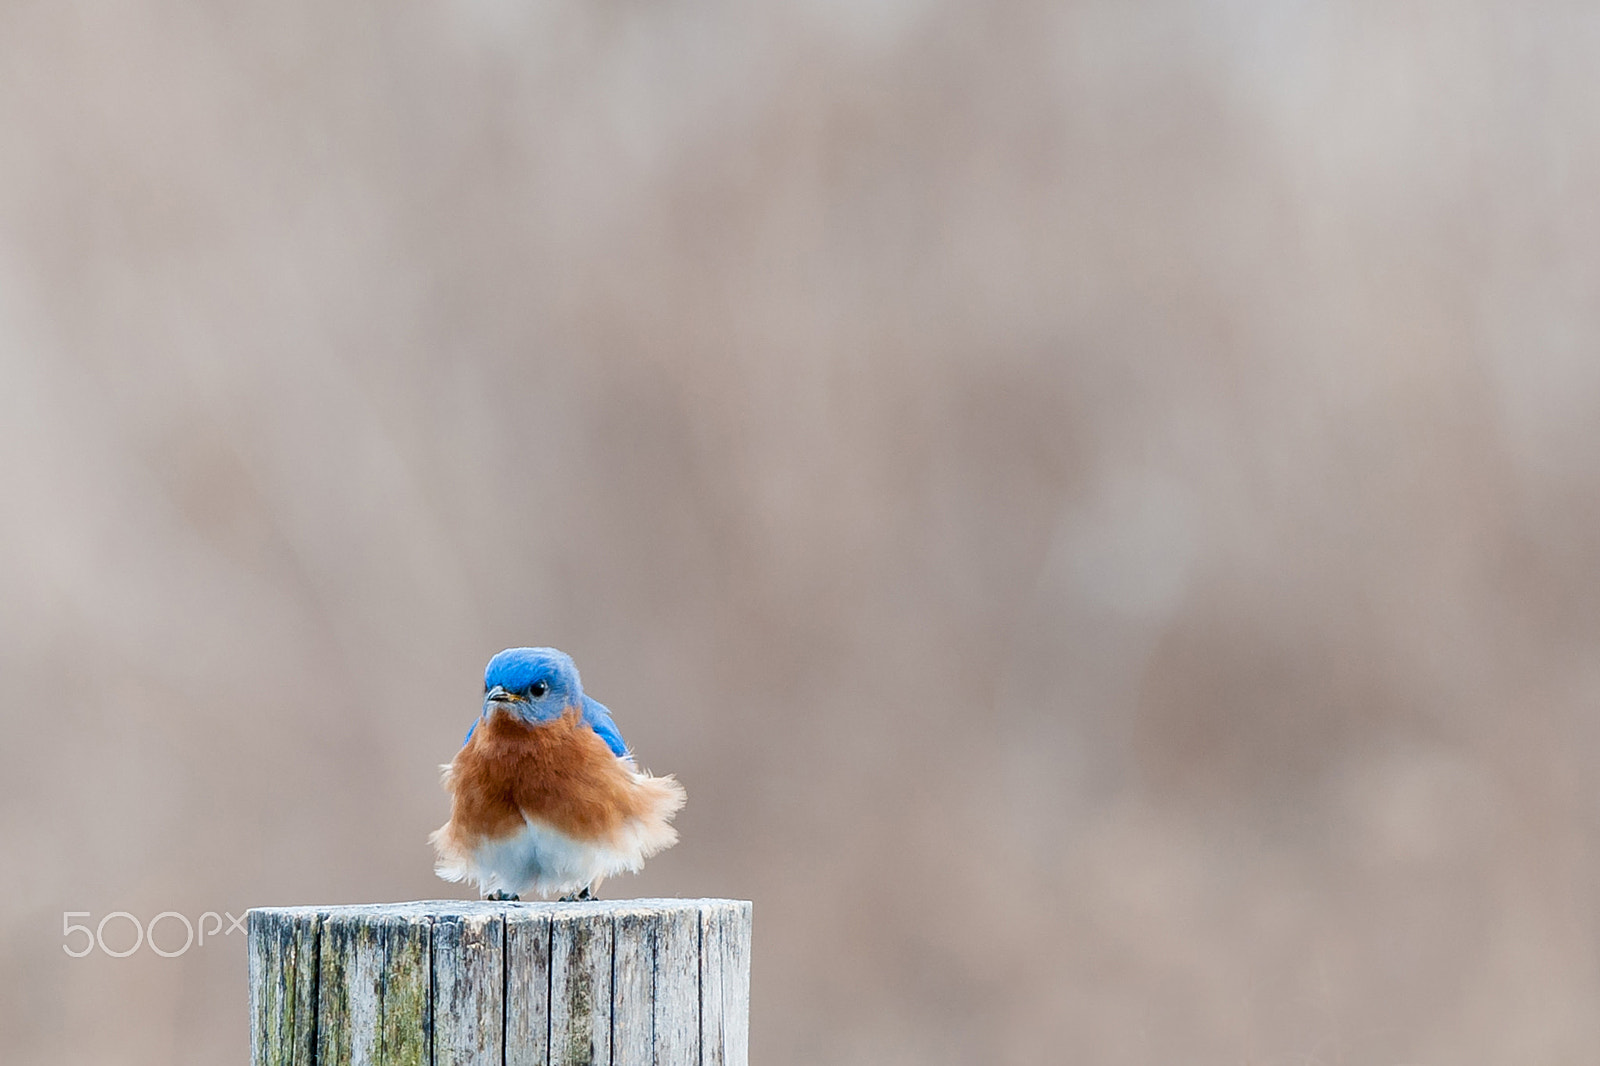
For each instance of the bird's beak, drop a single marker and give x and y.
(498, 695)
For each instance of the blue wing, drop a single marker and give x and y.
(596, 717)
(468, 737)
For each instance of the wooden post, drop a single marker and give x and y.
(643, 982)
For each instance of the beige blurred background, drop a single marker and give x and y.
(1098, 502)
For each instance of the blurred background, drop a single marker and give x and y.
(1098, 502)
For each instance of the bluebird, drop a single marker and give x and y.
(545, 796)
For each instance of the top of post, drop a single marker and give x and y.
(464, 908)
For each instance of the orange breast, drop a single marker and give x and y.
(560, 772)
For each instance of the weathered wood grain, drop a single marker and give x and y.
(633, 963)
(724, 983)
(735, 918)
(442, 983)
(267, 955)
(527, 986)
(266, 975)
(677, 988)
(469, 989)
(283, 950)
(712, 1050)
(407, 990)
(354, 986)
(581, 941)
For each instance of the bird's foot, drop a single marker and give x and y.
(579, 897)
(497, 896)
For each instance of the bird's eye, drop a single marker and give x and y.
(538, 689)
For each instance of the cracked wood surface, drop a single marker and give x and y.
(649, 982)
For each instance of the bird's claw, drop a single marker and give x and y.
(498, 896)
(579, 897)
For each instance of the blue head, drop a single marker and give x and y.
(538, 684)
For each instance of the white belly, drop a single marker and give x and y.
(541, 859)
